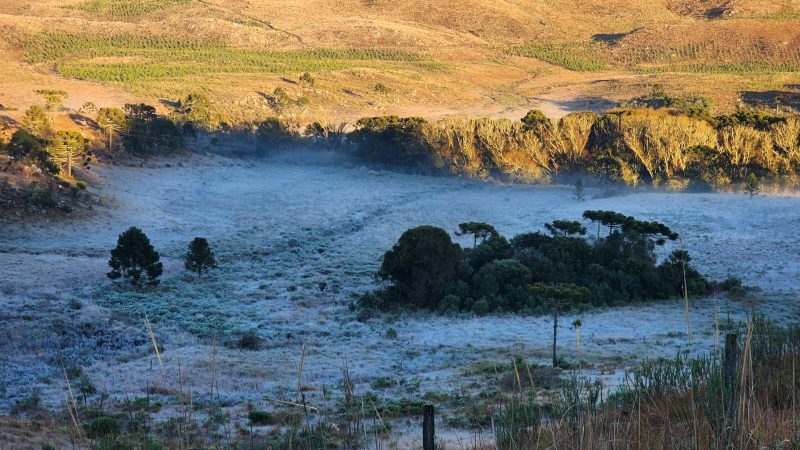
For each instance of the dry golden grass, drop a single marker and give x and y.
(622, 46)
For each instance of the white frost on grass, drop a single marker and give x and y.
(280, 227)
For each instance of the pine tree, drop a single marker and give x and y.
(111, 120)
(135, 256)
(200, 257)
(67, 149)
(36, 121)
(577, 192)
(751, 185)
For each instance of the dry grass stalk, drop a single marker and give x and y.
(155, 345)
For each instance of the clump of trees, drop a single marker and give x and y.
(537, 271)
(147, 133)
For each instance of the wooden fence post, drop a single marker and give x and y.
(427, 428)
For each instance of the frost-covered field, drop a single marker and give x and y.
(281, 227)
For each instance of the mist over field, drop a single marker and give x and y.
(363, 224)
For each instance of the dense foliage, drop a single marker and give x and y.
(425, 269)
(134, 258)
(199, 257)
(681, 144)
(148, 133)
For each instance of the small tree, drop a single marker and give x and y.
(68, 148)
(111, 120)
(36, 121)
(53, 99)
(198, 109)
(200, 257)
(577, 191)
(751, 185)
(478, 230)
(557, 298)
(535, 120)
(133, 257)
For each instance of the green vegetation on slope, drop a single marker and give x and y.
(158, 57)
(125, 9)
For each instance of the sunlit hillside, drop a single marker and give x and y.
(375, 57)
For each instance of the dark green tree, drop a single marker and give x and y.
(565, 228)
(478, 230)
(25, 145)
(423, 266)
(751, 185)
(199, 258)
(134, 257)
(577, 191)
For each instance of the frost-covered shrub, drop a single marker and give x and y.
(250, 340)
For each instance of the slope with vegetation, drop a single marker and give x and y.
(433, 59)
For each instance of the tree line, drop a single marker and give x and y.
(568, 265)
(634, 146)
(677, 146)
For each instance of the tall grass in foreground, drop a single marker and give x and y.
(680, 403)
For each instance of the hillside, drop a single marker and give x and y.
(370, 57)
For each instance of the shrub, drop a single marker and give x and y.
(42, 196)
(392, 140)
(250, 340)
(381, 88)
(260, 417)
(103, 426)
(307, 79)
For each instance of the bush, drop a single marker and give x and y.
(103, 426)
(250, 340)
(393, 140)
(260, 417)
(42, 196)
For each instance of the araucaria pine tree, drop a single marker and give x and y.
(134, 258)
(200, 258)
(751, 185)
